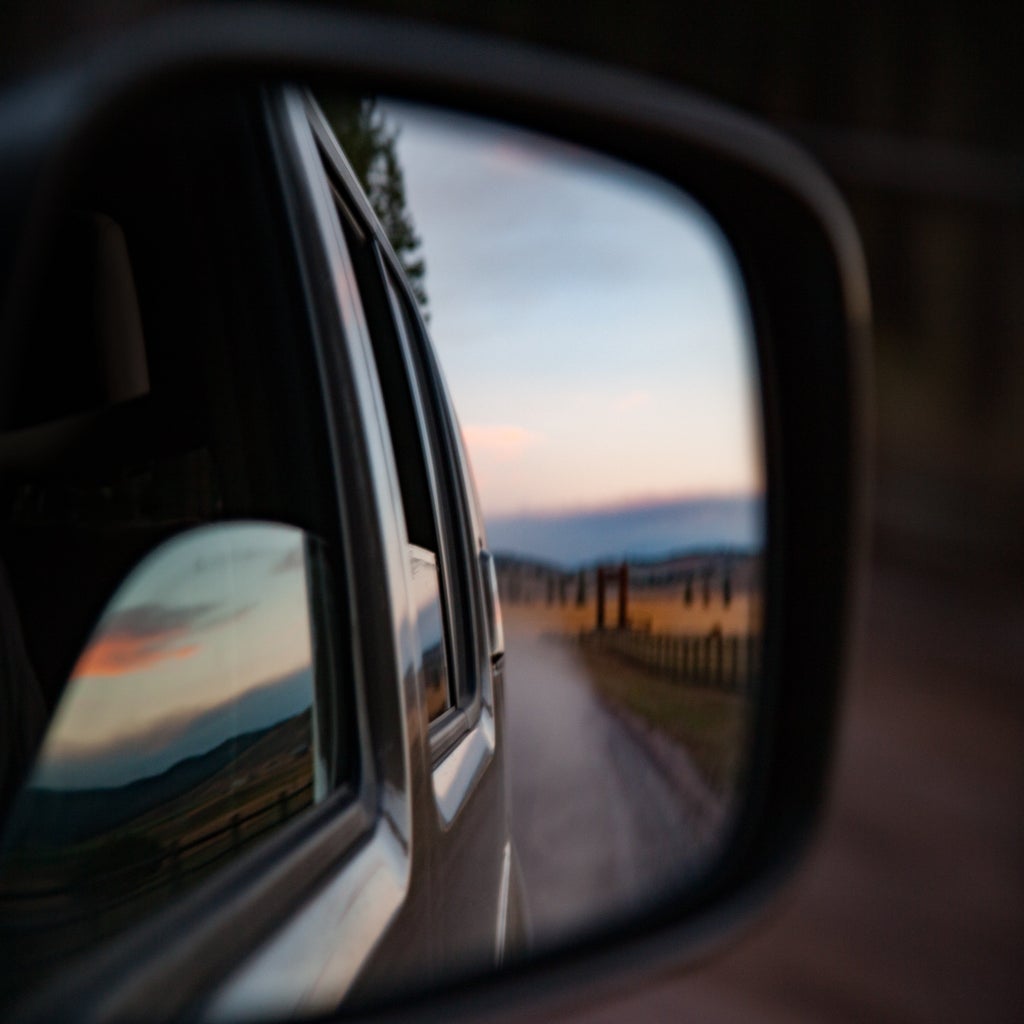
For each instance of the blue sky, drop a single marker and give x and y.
(590, 322)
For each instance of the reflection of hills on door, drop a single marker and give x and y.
(175, 736)
(257, 758)
(87, 863)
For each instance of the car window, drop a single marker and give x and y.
(423, 483)
(450, 482)
(203, 692)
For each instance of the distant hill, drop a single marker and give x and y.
(650, 532)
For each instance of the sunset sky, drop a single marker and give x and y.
(200, 626)
(589, 319)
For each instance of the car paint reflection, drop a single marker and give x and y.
(172, 750)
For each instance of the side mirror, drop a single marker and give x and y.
(357, 762)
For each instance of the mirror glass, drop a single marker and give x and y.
(525, 444)
(186, 734)
(595, 335)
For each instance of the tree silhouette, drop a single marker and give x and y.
(368, 141)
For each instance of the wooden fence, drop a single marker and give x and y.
(729, 663)
(168, 867)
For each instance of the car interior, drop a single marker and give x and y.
(157, 388)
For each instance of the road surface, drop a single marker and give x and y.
(910, 909)
(600, 825)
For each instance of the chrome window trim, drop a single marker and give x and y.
(455, 777)
(309, 966)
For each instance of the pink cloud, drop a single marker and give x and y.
(500, 442)
(631, 400)
(120, 655)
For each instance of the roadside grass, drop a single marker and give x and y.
(711, 726)
(659, 611)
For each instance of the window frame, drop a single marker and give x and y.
(452, 503)
(441, 453)
(409, 441)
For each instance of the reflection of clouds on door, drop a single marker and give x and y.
(209, 635)
(132, 639)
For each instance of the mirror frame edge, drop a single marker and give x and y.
(752, 182)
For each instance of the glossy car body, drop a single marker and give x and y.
(329, 412)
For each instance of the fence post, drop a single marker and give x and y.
(715, 641)
(623, 596)
(600, 597)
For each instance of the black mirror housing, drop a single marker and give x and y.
(801, 264)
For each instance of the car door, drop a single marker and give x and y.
(219, 398)
(462, 817)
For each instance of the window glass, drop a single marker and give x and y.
(201, 404)
(187, 732)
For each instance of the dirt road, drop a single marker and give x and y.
(598, 825)
(911, 906)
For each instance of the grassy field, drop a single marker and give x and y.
(709, 724)
(652, 609)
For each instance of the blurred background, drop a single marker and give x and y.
(911, 907)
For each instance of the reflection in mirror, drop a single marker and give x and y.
(595, 336)
(186, 732)
(426, 596)
(594, 332)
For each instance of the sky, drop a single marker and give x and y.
(595, 336)
(208, 638)
(590, 322)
